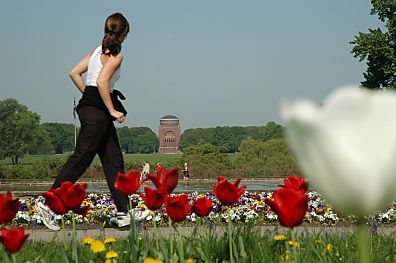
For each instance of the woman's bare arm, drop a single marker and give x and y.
(76, 73)
(103, 82)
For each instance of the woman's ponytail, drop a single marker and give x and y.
(111, 43)
(115, 26)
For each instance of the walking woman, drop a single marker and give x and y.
(97, 109)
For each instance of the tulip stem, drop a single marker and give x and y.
(363, 238)
(64, 232)
(8, 257)
(229, 234)
(74, 233)
(132, 233)
(295, 239)
(13, 258)
(170, 239)
(155, 232)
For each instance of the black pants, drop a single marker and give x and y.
(97, 136)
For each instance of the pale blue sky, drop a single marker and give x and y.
(209, 62)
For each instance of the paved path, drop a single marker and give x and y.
(101, 233)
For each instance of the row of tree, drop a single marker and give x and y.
(21, 133)
(228, 139)
(138, 140)
(144, 140)
(255, 158)
(132, 140)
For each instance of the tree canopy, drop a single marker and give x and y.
(270, 158)
(20, 130)
(228, 139)
(378, 48)
(138, 140)
(61, 136)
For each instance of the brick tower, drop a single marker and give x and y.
(169, 134)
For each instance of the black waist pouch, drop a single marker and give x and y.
(91, 97)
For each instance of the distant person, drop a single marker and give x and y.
(97, 109)
(186, 175)
(142, 171)
(145, 170)
(146, 167)
(142, 174)
(159, 168)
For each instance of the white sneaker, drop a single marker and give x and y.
(47, 215)
(141, 215)
(124, 219)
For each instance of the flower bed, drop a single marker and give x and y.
(251, 208)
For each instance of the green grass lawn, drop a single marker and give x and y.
(151, 158)
(128, 158)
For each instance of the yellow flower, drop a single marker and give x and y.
(109, 240)
(97, 246)
(32, 210)
(87, 240)
(279, 237)
(318, 241)
(327, 249)
(149, 260)
(152, 260)
(293, 243)
(190, 260)
(111, 254)
(113, 260)
(286, 257)
(260, 203)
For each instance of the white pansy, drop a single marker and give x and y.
(346, 147)
(157, 218)
(271, 216)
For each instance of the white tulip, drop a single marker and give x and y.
(346, 147)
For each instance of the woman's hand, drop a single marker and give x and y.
(118, 115)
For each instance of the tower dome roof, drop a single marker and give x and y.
(169, 117)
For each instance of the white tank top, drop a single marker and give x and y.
(94, 68)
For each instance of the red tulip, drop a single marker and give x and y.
(177, 207)
(82, 210)
(290, 205)
(153, 199)
(159, 168)
(55, 202)
(226, 192)
(202, 206)
(75, 195)
(8, 208)
(13, 239)
(166, 180)
(67, 197)
(296, 183)
(128, 183)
